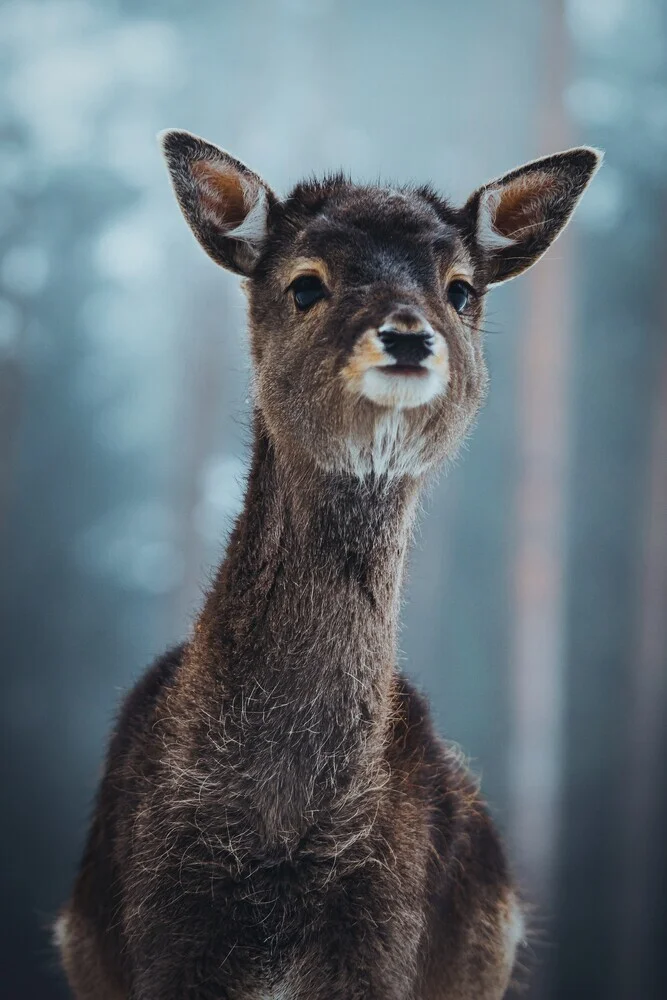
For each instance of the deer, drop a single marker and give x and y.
(278, 818)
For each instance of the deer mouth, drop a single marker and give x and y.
(411, 370)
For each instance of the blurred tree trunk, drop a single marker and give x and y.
(642, 788)
(537, 664)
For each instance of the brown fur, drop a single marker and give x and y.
(278, 818)
(220, 191)
(517, 209)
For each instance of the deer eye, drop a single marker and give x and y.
(307, 290)
(458, 294)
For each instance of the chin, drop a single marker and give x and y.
(402, 391)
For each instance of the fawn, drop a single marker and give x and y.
(278, 819)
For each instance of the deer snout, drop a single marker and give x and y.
(400, 363)
(406, 348)
(407, 337)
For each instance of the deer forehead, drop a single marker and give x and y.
(373, 233)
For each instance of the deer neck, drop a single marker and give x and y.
(297, 637)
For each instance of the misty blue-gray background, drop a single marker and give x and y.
(535, 614)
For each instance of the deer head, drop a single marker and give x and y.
(366, 302)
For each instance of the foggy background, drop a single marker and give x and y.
(537, 604)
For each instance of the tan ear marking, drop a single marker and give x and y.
(517, 201)
(222, 194)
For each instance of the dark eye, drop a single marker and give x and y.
(458, 294)
(307, 290)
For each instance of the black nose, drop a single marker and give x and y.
(406, 348)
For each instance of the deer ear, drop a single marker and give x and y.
(225, 204)
(517, 217)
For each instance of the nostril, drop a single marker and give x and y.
(406, 348)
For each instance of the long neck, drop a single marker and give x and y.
(297, 637)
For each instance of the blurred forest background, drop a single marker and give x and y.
(536, 614)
